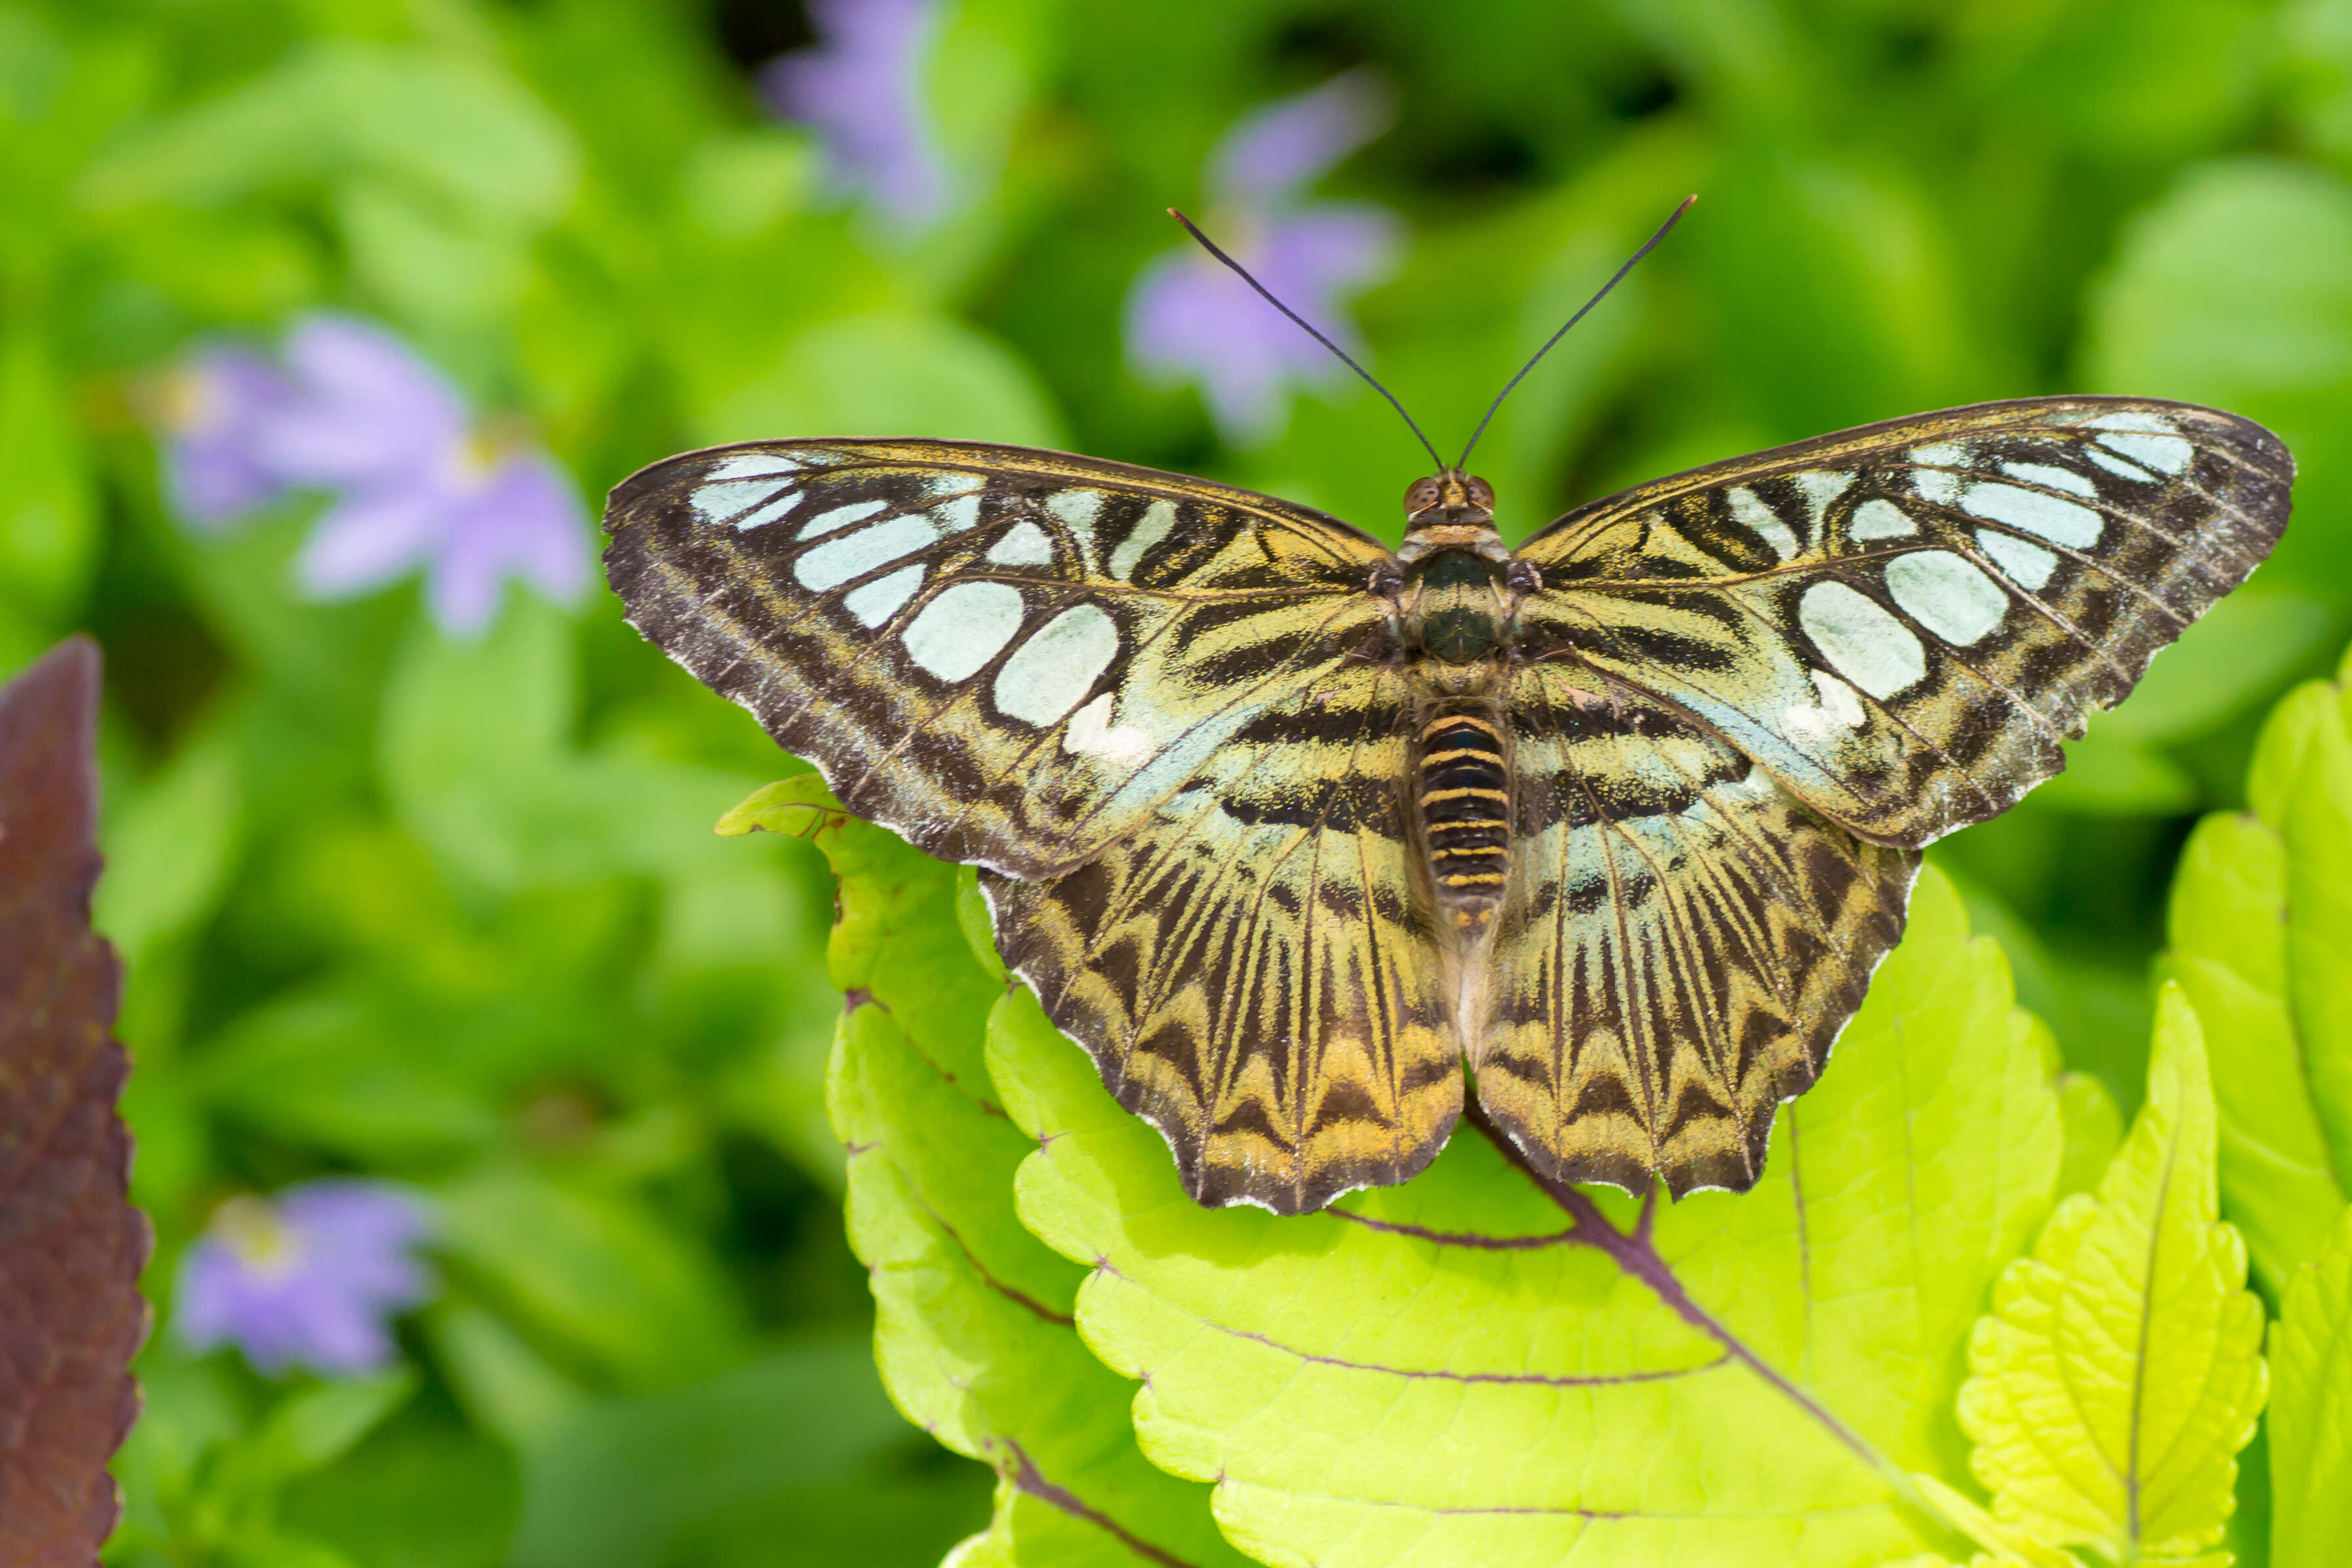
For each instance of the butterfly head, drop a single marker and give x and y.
(1450, 510)
(1449, 497)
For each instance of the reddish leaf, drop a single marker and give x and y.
(70, 1244)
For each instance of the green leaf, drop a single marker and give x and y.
(2311, 1390)
(48, 511)
(886, 374)
(170, 846)
(449, 129)
(797, 807)
(2319, 832)
(1470, 1368)
(975, 1334)
(595, 1275)
(619, 1483)
(2095, 1125)
(2119, 1372)
(2259, 923)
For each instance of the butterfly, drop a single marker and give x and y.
(1285, 827)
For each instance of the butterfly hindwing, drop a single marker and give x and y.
(1684, 940)
(1901, 622)
(1255, 969)
(1007, 656)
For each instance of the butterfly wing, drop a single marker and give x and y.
(1901, 622)
(1156, 709)
(1008, 657)
(1685, 939)
(1255, 969)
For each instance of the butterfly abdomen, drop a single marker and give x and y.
(1465, 805)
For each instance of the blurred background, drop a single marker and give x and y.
(478, 1089)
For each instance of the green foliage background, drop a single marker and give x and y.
(451, 912)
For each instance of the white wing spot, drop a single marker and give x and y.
(2026, 564)
(839, 518)
(1022, 544)
(1060, 662)
(2165, 454)
(1761, 520)
(1092, 735)
(1150, 530)
(1869, 647)
(2056, 479)
(2137, 419)
(773, 511)
(717, 503)
(832, 564)
(1947, 593)
(959, 632)
(2066, 523)
(749, 466)
(2117, 465)
(1838, 706)
(1077, 508)
(878, 601)
(1880, 519)
(1821, 487)
(955, 516)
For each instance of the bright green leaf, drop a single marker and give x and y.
(2311, 1411)
(1465, 1369)
(2094, 1126)
(2119, 1372)
(2228, 929)
(2319, 832)
(975, 1335)
(2260, 922)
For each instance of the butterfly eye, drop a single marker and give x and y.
(1421, 495)
(1482, 494)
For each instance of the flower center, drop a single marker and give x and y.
(264, 1244)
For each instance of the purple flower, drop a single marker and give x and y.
(420, 488)
(417, 483)
(311, 1278)
(212, 408)
(1190, 321)
(861, 89)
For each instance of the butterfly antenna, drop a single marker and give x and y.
(1211, 246)
(1652, 243)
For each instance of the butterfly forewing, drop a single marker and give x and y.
(1901, 622)
(1009, 657)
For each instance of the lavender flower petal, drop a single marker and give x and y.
(373, 536)
(1273, 152)
(861, 89)
(525, 520)
(311, 1278)
(366, 407)
(217, 406)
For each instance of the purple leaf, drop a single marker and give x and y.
(72, 1245)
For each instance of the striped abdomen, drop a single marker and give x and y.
(1465, 813)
